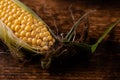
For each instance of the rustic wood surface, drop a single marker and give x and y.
(104, 64)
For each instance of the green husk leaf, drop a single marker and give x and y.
(23, 6)
(94, 46)
(15, 44)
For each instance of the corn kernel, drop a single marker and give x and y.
(13, 27)
(17, 22)
(14, 10)
(27, 34)
(6, 21)
(24, 39)
(23, 26)
(49, 38)
(45, 48)
(50, 43)
(9, 24)
(9, 2)
(43, 44)
(45, 39)
(33, 41)
(23, 21)
(40, 35)
(29, 40)
(10, 18)
(38, 29)
(33, 33)
(40, 23)
(17, 27)
(39, 41)
(17, 34)
(28, 28)
(22, 33)
(6, 16)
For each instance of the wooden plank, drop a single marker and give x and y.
(104, 64)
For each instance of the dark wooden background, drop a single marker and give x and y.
(104, 64)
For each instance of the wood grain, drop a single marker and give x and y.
(104, 64)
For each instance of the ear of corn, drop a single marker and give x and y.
(21, 27)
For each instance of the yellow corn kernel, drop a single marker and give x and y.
(23, 26)
(43, 44)
(24, 39)
(51, 43)
(39, 42)
(22, 33)
(6, 16)
(27, 34)
(33, 33)
(17, 27)
(17, 34)
(45, 39)
(5, 21)
(9, 24)
(45, 48)
(17, 22)
(49, 38)
(38, 29)
(28, 28)
(34, 41)
(29, 40)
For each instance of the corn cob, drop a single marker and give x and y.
(26, 25)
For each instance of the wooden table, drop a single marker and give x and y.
(104, 64)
